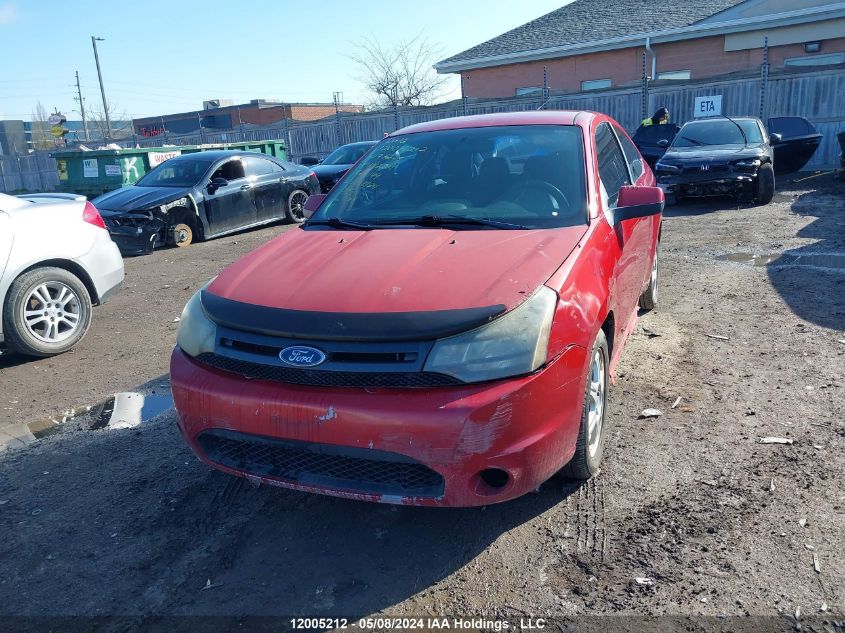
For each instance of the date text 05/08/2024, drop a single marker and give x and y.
(411, 624)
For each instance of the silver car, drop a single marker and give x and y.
(56, 261)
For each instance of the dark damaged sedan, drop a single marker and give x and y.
(724, 156)
(333, 166)
(203, 195)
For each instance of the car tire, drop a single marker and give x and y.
(61, 301)
(591, 434)
(764, 186)
(295, 208)
(648, 299)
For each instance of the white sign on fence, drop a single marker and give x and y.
(89, 168)
(157, 158)
(707, 106)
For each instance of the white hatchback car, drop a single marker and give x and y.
(56, 261)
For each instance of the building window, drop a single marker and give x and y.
(674, 74)
(812, 47)
(815, 60)
(528, 90)
(595, 84)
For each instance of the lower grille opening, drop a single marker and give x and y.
(350, 469)
(318, 378)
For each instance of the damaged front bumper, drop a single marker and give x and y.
(414, 446)
(706, 184)
(135, 233)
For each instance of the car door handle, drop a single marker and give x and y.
(245, 187)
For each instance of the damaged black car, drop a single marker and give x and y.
(720, 157)
(199, 196)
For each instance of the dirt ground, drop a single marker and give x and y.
(711, 520)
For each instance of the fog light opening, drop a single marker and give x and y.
(495, 477)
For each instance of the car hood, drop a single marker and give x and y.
(134, 198)
(330, 171)
(397, 270)
(714, 153)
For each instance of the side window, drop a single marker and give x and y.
(230, 170)
(632, 155)
(257, 166)
(613, 170)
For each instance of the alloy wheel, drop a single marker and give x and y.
(52, 312)
(596, 397)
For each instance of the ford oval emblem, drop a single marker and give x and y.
(301, 356)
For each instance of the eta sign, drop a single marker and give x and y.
(707, 106)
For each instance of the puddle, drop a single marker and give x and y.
(124, 410)
(825, 261)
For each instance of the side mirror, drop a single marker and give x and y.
(638, 202)
(774, 139)
(312, 203)
(216, 183)
(663, 143)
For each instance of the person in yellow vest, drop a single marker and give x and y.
(660, 117)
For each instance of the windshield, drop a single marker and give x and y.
(529, 176)
(176, 172)
(718, 132)
(346, 155)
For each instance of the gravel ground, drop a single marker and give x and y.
(711, 520)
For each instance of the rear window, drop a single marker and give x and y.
(531, 175)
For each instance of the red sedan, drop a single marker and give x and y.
(443, 329)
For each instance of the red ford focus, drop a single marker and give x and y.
(443, 329)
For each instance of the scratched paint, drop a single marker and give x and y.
(330, 415)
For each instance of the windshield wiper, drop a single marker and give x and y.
(693, 140)
(446, 220)
(741, 131)
(337, 223)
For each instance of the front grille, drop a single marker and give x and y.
(318, 378)
(350, 469)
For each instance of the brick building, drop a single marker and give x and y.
(230, 117)
(596, 44)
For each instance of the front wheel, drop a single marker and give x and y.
(765, 185)
(590, 445)
(295, 211)
(47, 312)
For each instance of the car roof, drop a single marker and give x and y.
(216, 154)
(543, 117)
(723, 118)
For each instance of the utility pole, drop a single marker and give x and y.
(94, 41)
(81, 107)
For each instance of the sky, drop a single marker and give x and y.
(162, 57)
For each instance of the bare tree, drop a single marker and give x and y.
(399, 74)
(40, 134)
(121, 125)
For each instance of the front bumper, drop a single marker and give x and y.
(705, 183)
(438, 439)
(135, 234)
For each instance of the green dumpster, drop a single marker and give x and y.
(96, 172)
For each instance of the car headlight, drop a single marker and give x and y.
(514, 344)
(669, 169)
(181, 202)
(197, 333)
(748, 164)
